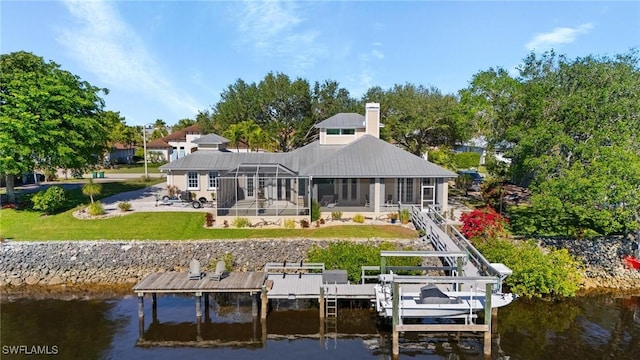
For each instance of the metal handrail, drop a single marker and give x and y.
(477, 259)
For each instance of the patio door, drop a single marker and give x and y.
(428, 197)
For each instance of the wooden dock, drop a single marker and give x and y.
(179, 283)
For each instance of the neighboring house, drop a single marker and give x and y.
(477, 145)
(120, 154)
(188, 140)
(349, 169)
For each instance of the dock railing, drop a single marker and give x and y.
(293, 266)
(435, 226)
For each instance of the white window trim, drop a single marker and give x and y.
(209, 187)
(197, 187)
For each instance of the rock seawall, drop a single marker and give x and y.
(602, 260)
(113, 262)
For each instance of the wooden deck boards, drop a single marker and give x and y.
(178, 282)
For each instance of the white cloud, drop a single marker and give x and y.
(558, 36)
(110, 48)
(377, 53)
(272, 28)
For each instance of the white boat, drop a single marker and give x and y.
(431, 302)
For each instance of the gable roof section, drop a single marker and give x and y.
(369, 156)
(342, 120)
(181, 135)
(158, 144)
(211, 139)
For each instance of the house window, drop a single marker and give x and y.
(341, 131)
(345, 189)
(213, 180)
(405, 190)
(250, 187)
(192, 181)
(354, 189)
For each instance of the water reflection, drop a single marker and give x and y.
(78, 329)
(586, 328)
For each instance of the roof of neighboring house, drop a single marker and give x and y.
(158, 144)
(121, 146)
(342, 120)
(367, 156)
(181, 135)
(211, 139)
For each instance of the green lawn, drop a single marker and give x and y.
(26, 224)
(30, 225)
(135, 169)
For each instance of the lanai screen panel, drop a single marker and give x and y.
(263, 190)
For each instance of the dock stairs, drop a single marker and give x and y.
(331, 314)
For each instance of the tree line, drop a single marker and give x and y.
(570, 127)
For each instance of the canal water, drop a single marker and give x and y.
(595, 327)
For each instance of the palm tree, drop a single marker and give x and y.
(234, 134)
(91, 188)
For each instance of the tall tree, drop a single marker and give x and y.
(328, 99)
(204, 120)
(49, 118)
(182, 123)
(159, 130)
(572, 129)
(417, 117)
(285, 110)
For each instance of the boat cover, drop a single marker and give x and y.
(430, 294)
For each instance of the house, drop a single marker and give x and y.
(120, 154)
(183, 142)
(349, 169)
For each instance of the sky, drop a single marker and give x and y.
(169, 59)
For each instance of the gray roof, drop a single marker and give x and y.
(343, 120)
(221, 161)
(211, 139)
(367, 156)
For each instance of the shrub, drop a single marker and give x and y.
(466, 160)
(315, 210)
(483, 223)
(493, 192)
(124, 206)
(404, 215)
(336, 215)
(289, 223)
(228, 261)
(241, 222)
(358, 218)
(351, 256)
(464, 182)
(535, 273)
(95, 208)
(209, 219)
(144, 178)
(304, 223)
(50, 200)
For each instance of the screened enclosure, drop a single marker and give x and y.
(263, 190)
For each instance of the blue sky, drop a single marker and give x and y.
(169, 59)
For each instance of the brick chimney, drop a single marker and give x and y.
(372, 119)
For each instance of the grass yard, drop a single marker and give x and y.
(135, 169)
(30, 225)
